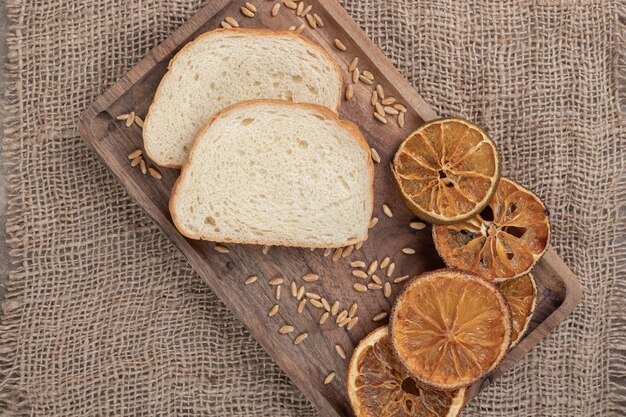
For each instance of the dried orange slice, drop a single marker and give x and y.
(503, 241)
(378, 385)
(450, 328)
(447, 170)
(521, 293)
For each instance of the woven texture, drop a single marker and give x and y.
(104, 317)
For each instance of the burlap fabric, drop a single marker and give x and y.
(104, 317)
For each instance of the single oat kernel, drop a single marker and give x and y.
(341, 316)
(373, 222)
(291, 4)
(401, 119)
(373, 286)
(225, 25)
(300, 338)
(375, 155)
(352, 310)
(278, 290)
(134, 154)
(232, 22)
(316, 303)
(347, 251)
(387, 290)
(335, 308)
(379, 316)
(275, 9)
(408, 251)
(306, 10)
(400, 279)
(340, 45)
(294, 289)
(311, 277)
(349, 92)
(131, 119)
(324, 318)
(300, 293)
(337, 254)
(136, 161)
(251, 279)
(329, 378)
(313, 295)
(381, 91)
(154, 173)
(387, 210)
(357, 264)
(300, 8)
(325, 304)
(372, 268)
(380, 118)
(389, 101)
(391, 269)
(380, 109)
(301, 305)
(276, 281)
(327, 252)
(274, 310)
(250, 7)
(385, 262)
(340, 351)
(355, 75)
(374, 98)
(246, 12)
(139, 121)
(391, 110)
(360, 287)
(417, 225)
(359, 274)
(353, 64)
(365, 80)
(286, 329)
(377, 279)
(221, 249)
(319, 20)
(352, 323)
(143, 167)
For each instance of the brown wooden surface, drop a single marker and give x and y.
(307, 364)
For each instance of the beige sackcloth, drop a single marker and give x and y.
(104, 317)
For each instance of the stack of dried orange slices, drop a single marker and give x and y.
(451, 327)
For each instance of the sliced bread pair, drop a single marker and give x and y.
(276, 173)
(227, 66)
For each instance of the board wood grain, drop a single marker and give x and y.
(309, 362)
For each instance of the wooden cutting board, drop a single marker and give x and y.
(311, 361)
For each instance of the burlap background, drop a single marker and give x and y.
(104, 317)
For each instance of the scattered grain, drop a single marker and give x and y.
(143, 167)
(417, 225)
(327, 252)
(357, 264)
(341, 316)
(136, 161)
(387, 290)
(324, 318)
(232, 21)
(401, 119)
(387, 210)
(300, 28)
(278, 291)
(352, 310)
(275, 9)
(352, 323)
(122, 116)
(131, 119)
(374, 98)
(139, 121)
(360, 287)
(311, 21)
(300, 9)
(266, 249)
(251, 279)
(286, 329)
(154, 173)
(274, 310)
(359, 274)
(380, 118)
(379, 316)
(246, 12)
(276, 281)
(381, 91)
(385, 262)
(313, 295)
(300, 338)
(358, 245)
(340, 351)
(353, 64)
(399, 107)
(379, 109)
(372, 268)
(307, 10)
(294, 289)
(221, 249)
(355, 75)
(316, 303)
(311, 277)
(319, 20)
(400, 279)
(347, 251)
(291, 4)
(391, 269)
(250, 7)
(408, 251)
(374, 286)
(377, 279)
(340, 45)
(325, 304)
(367, 74)
(225, 25)
(335, 308)
(329, 378)
(337, 254)
(301, 305)
(389, 101)
(373, 222)
(292, 28)
(375, 155)
(391, 110)
(300, 293)
(343, 322)
(365, 80)
(349, 92)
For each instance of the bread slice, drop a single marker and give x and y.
(276, 173)
(226, 66)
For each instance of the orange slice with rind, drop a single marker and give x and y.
(521, 293)
(379, 386)
(504, 241)
(447, 170)
(450, 328)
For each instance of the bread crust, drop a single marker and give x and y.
(217, 32)
(349, 126)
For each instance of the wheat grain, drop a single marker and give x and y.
(300, 8)
(381, 91)
(391, 110)
(340, 351)
(347, 251)
(319, 20)
(325, 304)
(335, 308)
(387, 290)
(380, 118)
(352, 323)
(385, 262)
(221, 249)
(372, 268)
(246, 12)
(400, 279)
(275, 9)
(226, 25)
(358, 245)
(278, 291)
(232, 22)
(266, 249)
(122, 116)
(324, 317)
(337, 254)
(417, 225)
(365, 80)
(345, 321)
(316, 303)
(388, 101)
(379, 109)
(399, 107)
(311, 21)
(327, 252)
(387, 210)
(143, 167)
(401, 119)
(359, 274)
(373, 222)
(377, 279)
(353, 64)
(292, 28)
(355, 75)
(276, 281)
(374, 98)
(300, 338)
(294, 289)
(154, 173)
(374, 286)
(313, 295)
(367, 74)
(311, 277)
(352, 310)
(134, 154)
(300, 28)
(300, 293)
(341, 316)
(286, 329)
(360, 287)
(301, 305)
(379, 316)
(290, 4)
(274, 310)
(408, 251)
(307, 10)
(391, 269)
(251, 279)
(375, 155)
(349, 92)
(250, 7)
(136, 161)
(130, 119)
(329, 378)
(339, 45)
(357, 264)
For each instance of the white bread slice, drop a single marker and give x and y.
(225, 66)
(276, 173)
